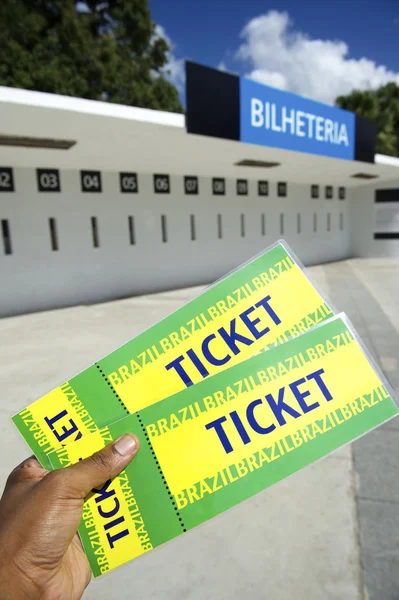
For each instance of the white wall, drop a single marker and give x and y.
(36, 277)
(365, 223)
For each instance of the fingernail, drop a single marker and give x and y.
(126, 444)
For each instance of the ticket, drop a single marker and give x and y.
(262, 304)
(211, 446)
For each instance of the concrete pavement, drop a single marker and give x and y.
(328, 532)
(368, 292)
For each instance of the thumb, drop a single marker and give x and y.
(105, 464)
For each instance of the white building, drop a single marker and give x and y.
(99, 201)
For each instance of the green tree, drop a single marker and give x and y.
(381, 105)
(101, 50)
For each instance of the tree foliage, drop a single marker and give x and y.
(98, 50)
(381, 105)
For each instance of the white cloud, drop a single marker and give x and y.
(278, 55)
(221, 66)
(174, 70)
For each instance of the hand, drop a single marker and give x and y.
(40, 552)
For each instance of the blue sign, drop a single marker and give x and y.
(270, 117)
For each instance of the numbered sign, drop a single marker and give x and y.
(6, 179)
(48, 180)
(341, 193)
(242, 187)
(315, 191)
(329, 192)
(90, 181)
(161, 184)
(263, 188)
(281, 188)
(128, 183)
(190, 184)
(218, 186)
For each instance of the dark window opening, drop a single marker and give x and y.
(94, 232)
(53, 233)
(6, 233)
(192, 228)
(132, 236)
(220, 233)
(164, 229)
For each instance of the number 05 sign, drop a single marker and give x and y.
(128, 183)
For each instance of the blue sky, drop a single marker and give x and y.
(319, 48)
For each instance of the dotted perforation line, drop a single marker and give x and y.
(171, 498)
(112, 388)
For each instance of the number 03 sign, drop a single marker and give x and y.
(48, 180)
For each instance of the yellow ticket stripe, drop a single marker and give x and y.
(139, 386)
(204, 453)
(59, 417)
(112, 528)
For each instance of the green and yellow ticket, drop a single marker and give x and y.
(213, 445)
(262, 304)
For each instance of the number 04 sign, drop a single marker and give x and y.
(90, 181)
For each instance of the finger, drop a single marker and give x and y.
(81, 478)
(29, 471)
